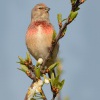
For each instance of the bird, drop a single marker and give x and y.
(39, 34)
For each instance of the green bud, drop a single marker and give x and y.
(59, 17)
(56, 80)
(54, 34)
(60, 84)
(22, 61)
(23, 68)
(37, 72)
(52, 79)
(28, 57)
(53, 66)
(73, 15)
(73, 1)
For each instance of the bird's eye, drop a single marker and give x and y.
(40, 7)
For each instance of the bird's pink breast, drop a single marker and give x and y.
(46, 28)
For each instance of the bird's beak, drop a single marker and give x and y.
(47, 9)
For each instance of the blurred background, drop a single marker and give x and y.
(79, 49)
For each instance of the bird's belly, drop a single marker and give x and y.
(41, 50)
(38, 45)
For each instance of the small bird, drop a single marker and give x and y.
(39, 34)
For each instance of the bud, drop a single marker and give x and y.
(46, 80)
(40, 61)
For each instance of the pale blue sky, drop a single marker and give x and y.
(80, 48)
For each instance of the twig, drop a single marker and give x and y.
(44, 97)
(54, 96)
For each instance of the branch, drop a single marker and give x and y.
(60, 34)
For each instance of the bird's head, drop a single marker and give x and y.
(40, 13)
